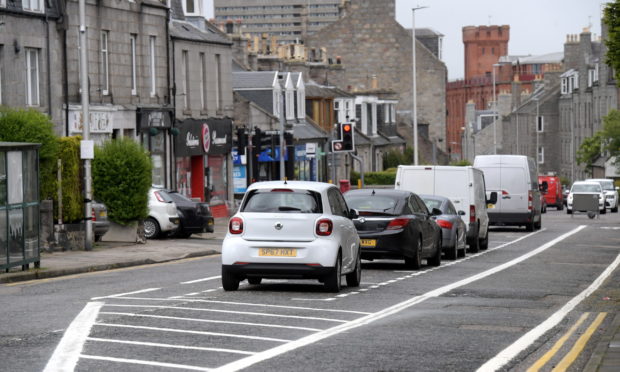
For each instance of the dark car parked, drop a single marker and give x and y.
(195, 217)
(452, 225)
(395, 224)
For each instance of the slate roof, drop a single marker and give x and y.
(253, 79)
(321, 91)
(184, 30)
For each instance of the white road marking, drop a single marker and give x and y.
(231, 312)
(210, 321)
(169, 346)
(268, 354)
(529, 338)
(313, 299)
(126, 294)
(250, 304)
(202, 280)
(67, 353)
(145, 362)
(205, 333)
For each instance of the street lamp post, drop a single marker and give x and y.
(536, 123)
(86, 146)
(414, 115)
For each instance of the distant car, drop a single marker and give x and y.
(611, 193)
(100, 222)
(194, 217)
(583, 187)
(395, 224)
(163, 216)
(452, 226)
(551, 188)
(292, 229)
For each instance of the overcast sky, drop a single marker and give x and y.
(536, 26)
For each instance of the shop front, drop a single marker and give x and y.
(203, 160)
(156, 135)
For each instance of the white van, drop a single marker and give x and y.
(464, 186)
(514, 179)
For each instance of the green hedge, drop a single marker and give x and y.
(29, 125)
(72, 198)
(387, 177)
(121, 179)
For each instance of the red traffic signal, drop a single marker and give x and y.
(346, 128)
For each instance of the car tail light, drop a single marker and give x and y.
(530, 200)
(281, 190)
(444, 224)
(324, 227)
(472, 213)
(93, 214)
(235, 225)
(159, 197)
(397, 224)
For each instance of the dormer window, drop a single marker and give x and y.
(301, 104)
(191, 7)
(593, 76)
(569, 81)
(290, 105)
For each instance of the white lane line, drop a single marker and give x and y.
(145, 363)
(209, 290)
(313, 299)
(202, 280)
(127, 293)
(231, 312)
(210, 321)
(67, 353)
(249, 304)
(193, 294)
(204, 333)
(529, 338)
(268, 354)
(169, 346)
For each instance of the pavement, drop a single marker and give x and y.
(112, 255)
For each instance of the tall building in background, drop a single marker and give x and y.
(289, 20)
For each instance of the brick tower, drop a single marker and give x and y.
(483, 47)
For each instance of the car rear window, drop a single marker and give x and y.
(432, 203)
(586, 188)
(375, 203)
(283, 201)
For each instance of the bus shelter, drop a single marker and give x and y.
(19, 205)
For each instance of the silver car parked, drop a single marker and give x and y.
(453, 228)
(293, 230)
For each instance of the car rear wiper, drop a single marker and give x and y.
(286, 208)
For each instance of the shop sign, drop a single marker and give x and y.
(200, 137)
(100, 121)
(240, 183)
(154, 118)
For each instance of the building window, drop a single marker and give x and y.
(290, 105)
(32, 77)
(152, 66)
(105, 60)
(203, 81)
(337, 115)
(301, 104)
(540, 124)
(185, 78)
(541, 155)
(564, 85)
(592, 76)
(134, 75)
(3, 3)
(276, 103)
(218, 82)
(32, 5)
(191, 7)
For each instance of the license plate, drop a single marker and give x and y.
(103, 213)
(368, 242)
(277, 252)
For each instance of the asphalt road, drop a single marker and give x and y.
(506, 308)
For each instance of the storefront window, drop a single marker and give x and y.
(217, 177)
(184, 176)
(155, 143)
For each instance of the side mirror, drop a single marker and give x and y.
(436, 212)
(461, 213)
(353, 214)
(493, 198)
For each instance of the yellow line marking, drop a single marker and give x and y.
(559, 343)
(73, 276)
(579, 345)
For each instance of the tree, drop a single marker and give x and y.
(611, 135)
(590, 150)
(29, 125)
(611, 18)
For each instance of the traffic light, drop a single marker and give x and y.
(242, 140)
(346, 142)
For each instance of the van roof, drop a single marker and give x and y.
(500, 159)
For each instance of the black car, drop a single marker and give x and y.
(195, 217)
(395, 224)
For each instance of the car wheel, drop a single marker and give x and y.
(614, 210)
(229, 281)
(435, 260)
(568, 211)
(151, 228)
(332, 280)
(484, 243)
(453, 252)
(474, 247)
(415, 262)
(355, 277)
(98, 238)
(530, 226)
(604, 210)
(560, 207)
(254, 280)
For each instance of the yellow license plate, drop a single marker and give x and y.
(368, 242)
(277, 252)
(103, 213)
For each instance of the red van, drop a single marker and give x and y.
(553, 194)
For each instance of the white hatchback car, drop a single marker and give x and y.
(611, 192)
(163, 216)
(583, 187)
(292, 230)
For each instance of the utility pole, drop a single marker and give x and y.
(86, 146)
(414, 114)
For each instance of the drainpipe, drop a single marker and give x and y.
(49, 72)
(65, 79)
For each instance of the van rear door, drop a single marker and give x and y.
(514, 190)
(454, 184)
